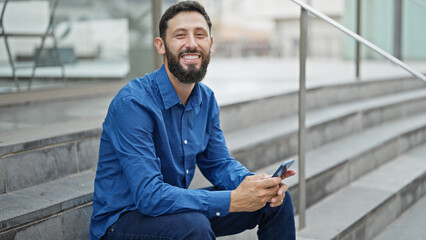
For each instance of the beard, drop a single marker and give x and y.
(192, 74)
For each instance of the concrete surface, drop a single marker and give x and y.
(410, 225)
(31, 204)
(365, 207)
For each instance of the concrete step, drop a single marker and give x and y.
(275, 140)
(243, 114)
(339, 165)
(59, 209)
(410, 225)
(29, 162)
(366, 206)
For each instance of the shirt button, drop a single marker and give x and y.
(185, 141)
(218, 214)
(187, 171)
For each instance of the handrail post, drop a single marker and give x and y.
(302, 111)
(397, 32)
(358, 44)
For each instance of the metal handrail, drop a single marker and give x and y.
(419, 3)
(361, 40)
(305, 9)
(50, 32)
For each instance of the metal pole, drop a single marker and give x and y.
(156, 15)
(358, 44)
(302, 112)
(308, 26)
(397, 33)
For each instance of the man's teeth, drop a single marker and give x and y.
(190, 57)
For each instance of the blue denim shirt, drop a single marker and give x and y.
(149, 147)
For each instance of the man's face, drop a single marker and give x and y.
(187, 47)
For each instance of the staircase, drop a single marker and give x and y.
(366, 144)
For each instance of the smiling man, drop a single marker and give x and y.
(158, 128)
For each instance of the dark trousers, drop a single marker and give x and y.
(274, 223)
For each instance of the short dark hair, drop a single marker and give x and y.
(185, 6)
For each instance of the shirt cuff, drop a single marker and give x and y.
(219, 202)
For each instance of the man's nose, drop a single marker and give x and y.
(191, 42)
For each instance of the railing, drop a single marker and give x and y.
(305, 10)
(419, 3)
(49, 32)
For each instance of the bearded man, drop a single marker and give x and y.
(158, 128)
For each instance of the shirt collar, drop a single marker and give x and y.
(195, 97)
(168, 92)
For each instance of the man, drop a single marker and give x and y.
(156, 130)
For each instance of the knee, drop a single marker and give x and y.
(287, 205)
(195, 226)
(286, 208)
(288, 202)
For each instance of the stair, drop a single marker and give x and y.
(354, 130)
(367, 205)
(333, 167)
(410, 225)
(58, 209)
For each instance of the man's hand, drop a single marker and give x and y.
(278, 199)
(255, 191)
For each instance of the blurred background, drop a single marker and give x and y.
(113, 39)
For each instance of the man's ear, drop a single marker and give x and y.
(211, 44)
(159, 45)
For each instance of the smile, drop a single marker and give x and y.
(190, 57)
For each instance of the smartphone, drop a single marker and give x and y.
(283, 168)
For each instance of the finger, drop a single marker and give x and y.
(270, 192)
(280, 194)
(271, 182)
(275, 202)
(283, 188)
(288, 173)
(276, 198)
(265, 175)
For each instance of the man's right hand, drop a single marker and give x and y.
(253, 193)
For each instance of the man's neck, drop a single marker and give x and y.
(183, 90)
